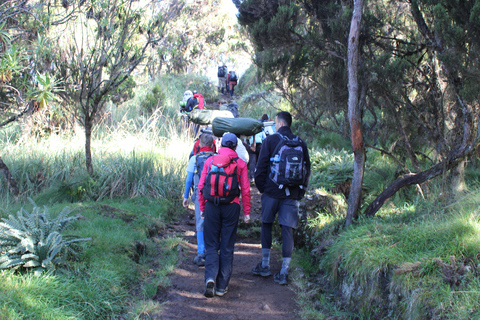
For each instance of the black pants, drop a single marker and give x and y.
(220, 232)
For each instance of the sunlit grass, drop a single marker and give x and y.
(412, 258)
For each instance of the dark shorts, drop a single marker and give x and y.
(287, 211)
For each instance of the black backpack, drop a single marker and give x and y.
(233, 76)
(221, 72)
(287, 167)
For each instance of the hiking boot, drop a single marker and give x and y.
(280, 278)
(221, 292)
(209, 289)
(199, 260)
(258, 270)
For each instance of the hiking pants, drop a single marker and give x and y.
(220, 231)
(199, 222)
(287, 210)
(222, 83)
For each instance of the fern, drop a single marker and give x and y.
(34, 241)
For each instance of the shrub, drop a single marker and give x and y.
(34, 240)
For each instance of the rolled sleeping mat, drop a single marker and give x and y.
(205, 117)
(238, 126)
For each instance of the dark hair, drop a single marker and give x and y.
(285, 117)
(265, 117)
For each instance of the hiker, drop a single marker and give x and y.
(268, 130)
(251, 147)
(194, 169)
(256, 140)
(242, 152)
(200, 101)
(196, 145)
(190, 103)
(231, 82)
(222, 80)
(223, 178)
(281, 190)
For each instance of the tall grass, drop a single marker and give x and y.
(139, 159)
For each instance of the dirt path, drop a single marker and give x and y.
(249, 296)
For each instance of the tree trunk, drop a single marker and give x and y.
(458, 178)
(12, 184)
(418, 178)
(354, 115)
(88, 150)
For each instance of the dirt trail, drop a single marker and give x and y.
(249, 296)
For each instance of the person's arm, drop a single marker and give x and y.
(245, 189)
(188, 185)
(201, 184)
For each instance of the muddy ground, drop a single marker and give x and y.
(249, 296)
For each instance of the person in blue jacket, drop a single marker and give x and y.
(194, 170)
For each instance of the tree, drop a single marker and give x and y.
(354, 115)
(419, 88)
(195, 40)
(108, 40)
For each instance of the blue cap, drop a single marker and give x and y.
(229, 140)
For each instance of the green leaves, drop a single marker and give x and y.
(33, 240)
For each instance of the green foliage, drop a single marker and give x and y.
(34, 240)
(417, 256)
(329, 167)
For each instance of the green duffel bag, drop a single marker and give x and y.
(239, 126)
(205, 117)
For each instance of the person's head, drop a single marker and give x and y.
(283, 118)
(229, 140)
(187, 95)
(265, 117)
(206, 140)
(195, 92)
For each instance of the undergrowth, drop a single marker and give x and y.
(416, 261)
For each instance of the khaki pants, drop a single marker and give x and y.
(222, 83)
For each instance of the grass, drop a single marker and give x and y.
(410, 261)
(139, 169)
(415, 262)
(98, 283)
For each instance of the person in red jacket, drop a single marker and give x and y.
(221, 220)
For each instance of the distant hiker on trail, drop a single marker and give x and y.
(223, 178)
(190, 103)
(200, 101)
(281, 175)
(194, 170)
(231, 82)
(222, 77)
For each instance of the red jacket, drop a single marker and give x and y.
(242, 173)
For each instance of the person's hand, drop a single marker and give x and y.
(202, 214)
(185, 203)
(246, 218)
